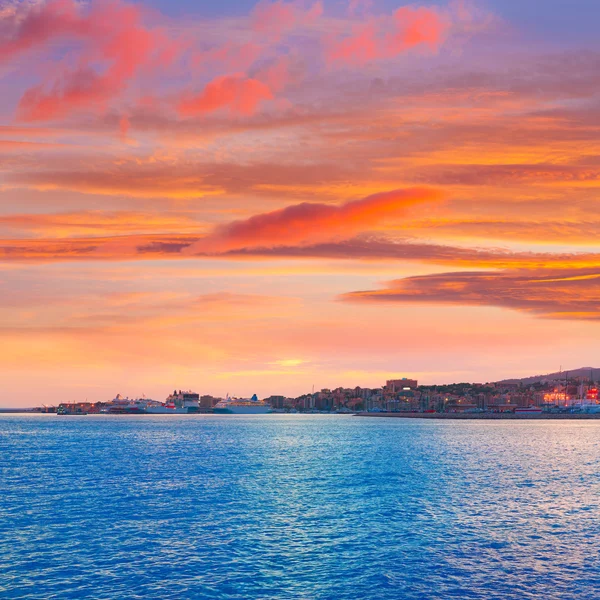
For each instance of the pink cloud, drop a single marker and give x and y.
(231, 56)
(277, 75)
(274, 19)
(108, 45)
(359, 6)
(388, 36)
(112, 34)
(124, 126)
(239, 94)
(34, 25)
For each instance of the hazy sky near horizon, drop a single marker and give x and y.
(243, 197)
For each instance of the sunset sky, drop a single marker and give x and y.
(236, 197)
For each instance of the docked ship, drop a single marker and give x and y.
(70, 409)
(242, 406)
(178, 403)
(587, 402)
(125, 406)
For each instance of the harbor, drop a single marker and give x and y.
(178, 403)
(573, 395)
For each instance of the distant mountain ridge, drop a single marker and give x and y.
(586, 372)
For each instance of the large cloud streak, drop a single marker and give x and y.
(311, 222)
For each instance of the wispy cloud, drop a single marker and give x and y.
(111, 33)
(387, 36)
(557, 294)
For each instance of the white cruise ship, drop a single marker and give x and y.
(242, 406)
(178, 403)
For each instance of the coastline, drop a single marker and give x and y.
(410, 415)
(485, 416)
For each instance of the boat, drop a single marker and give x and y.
(125, 406)
(178, 403)
(587, 400)
(586, 407)
(65, 409)
(535, 410)
(242, 406)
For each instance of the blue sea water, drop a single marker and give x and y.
(298, 507)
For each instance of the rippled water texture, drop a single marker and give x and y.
(296, 506)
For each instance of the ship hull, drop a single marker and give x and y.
(242, 410)
(161, 410)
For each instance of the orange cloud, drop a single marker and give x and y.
(506, 174)
(312, 222)
(167, 177)
(239, 94)
(98, 223)
(11, 145)
(149, 180)
(576, 232)
(373, 249)
(122, 247)
(559, 294)
(171, 309)
(386, 37)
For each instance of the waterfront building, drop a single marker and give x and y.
(397, 385)
(277, 402)
(208, 402)
(323, 401)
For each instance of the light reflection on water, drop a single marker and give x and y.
(298, 507)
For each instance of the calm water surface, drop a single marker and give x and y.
(298, 507)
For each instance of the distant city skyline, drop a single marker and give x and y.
(560, 393)
(246, 197)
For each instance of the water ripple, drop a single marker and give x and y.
(298, 507)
